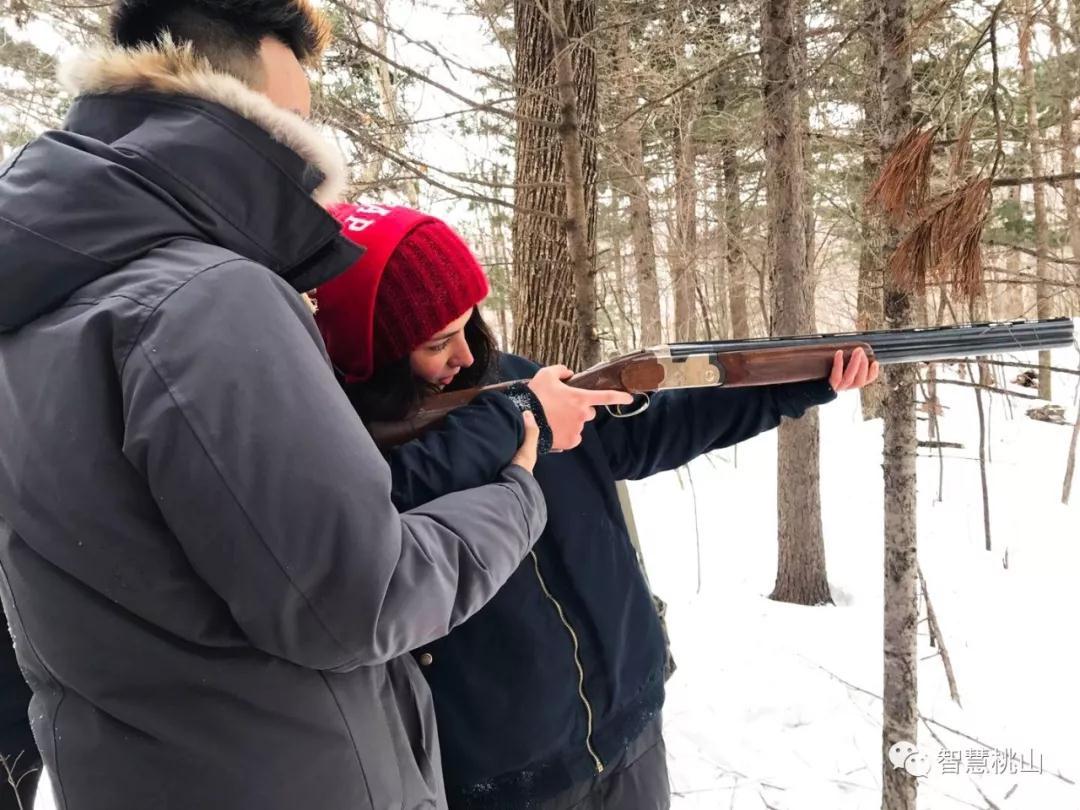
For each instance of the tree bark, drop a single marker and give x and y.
(801, 575)
(1068, 145)
(1012, 289)
(500, 281)
(631, 180)
(684, 249)
(545, 321)
(1043, 302)
(869, 306)
(721, 282)
(900, 688)
(577, 214)
(388, 97)
(733, 225)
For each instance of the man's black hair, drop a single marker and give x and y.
(222, 31)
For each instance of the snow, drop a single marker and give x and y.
(765, 709)
(759, 714)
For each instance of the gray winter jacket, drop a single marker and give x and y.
(209, 590)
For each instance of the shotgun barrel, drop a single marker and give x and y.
(915, 345)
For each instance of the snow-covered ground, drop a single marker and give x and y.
(775, 705)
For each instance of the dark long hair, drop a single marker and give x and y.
(393, 391)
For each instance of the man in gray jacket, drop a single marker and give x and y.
(208, 588)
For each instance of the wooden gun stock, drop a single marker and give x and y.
(777, 366)
(431, 411)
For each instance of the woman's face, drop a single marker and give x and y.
(438, 360)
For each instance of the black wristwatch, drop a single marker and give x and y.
(525, 400)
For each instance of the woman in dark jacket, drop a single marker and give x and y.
(550, 696)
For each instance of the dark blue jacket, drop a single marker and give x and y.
(518, 721)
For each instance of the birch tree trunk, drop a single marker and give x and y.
(545, 321)
(1043, 303)
(800, 576)
(900, 688)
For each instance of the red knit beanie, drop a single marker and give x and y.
(414, 278)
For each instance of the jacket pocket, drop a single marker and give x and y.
(411, 715)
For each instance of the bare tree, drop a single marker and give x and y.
(900, 689)
(545, 320)
(577, 214)
(1043, 300)
(388, 97)
(733, 226)
(1068, 58)
(684, 248)
(869, 306)
(801, 575)
(631, 179)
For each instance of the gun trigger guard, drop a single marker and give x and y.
(619, 414)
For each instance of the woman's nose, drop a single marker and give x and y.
(463, 356)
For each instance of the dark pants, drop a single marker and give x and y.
(638, 780)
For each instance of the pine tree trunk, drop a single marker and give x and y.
(545, 322)
(500, 280)
(1068, 147)
(1012, 288)
(801, 576)
(869, 307)
(388, 97)
(736, 262)
(577, 213)
(721, 283)
(1043, 302)
(900, 689)
(684, 250)
(632, 181)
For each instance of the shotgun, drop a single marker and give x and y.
(759, 361)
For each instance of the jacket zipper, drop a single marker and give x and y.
(577, 662)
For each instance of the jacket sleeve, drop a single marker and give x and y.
(471, 446)
(682, 424)
(279, 498)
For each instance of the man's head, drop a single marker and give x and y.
(264, 43)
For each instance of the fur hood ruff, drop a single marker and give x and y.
(175, 69)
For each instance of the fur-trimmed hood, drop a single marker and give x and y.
(176, 70)
(158, 148)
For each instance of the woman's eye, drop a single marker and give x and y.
(439, 347)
